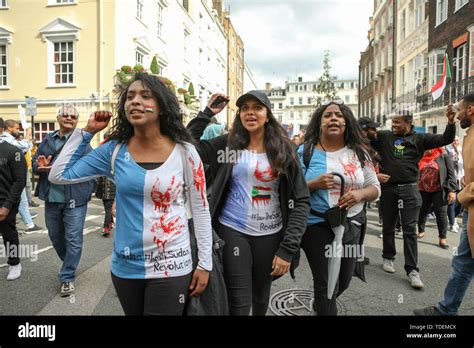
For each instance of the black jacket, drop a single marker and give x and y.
(401, 162)
(12, 175)
(79, 193)
(293, 191)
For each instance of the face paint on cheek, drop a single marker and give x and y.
(150, 110)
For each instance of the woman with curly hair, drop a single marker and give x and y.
(152, 267)
(334, 142)
(262, 202)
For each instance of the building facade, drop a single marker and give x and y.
(383, 45)
(366, 77)
(70, 50)
(451, 32)
(235, 67)
(412, 52)
(294, 105)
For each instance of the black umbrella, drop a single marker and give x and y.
(359, 270)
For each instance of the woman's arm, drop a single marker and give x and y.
(298, 208)
(199, 208)
(71, 168)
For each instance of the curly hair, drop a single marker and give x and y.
(170, 118)
(354, 137)
(278, 146)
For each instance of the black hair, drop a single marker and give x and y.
(354, 137)
(10, 123)
(1, 123)
(170, 118)
(469, 98)
(277, 145)
(407, 115)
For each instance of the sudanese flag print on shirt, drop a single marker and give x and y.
(252, 206)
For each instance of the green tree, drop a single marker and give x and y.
(191, 88)
(326, 87)
(154, 66)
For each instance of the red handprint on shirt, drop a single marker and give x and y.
(163, 200)
(265, 175)
(199, 180)
(350, 169)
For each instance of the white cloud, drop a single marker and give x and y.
(283, 39)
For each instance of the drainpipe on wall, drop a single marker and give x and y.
(394, 53)
(358, 94)
(101, 51)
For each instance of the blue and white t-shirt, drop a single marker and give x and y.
(152, 236)
(253, 206)
(344, 162)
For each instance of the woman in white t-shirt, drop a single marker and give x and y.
(259, 201)
(334, 142)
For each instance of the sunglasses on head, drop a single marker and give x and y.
(74, 117)
(337, 102)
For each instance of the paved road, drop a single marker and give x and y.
(36, 292)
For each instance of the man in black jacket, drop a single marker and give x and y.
(12, 183)
(400, 150)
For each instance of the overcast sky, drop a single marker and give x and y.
(286, 38)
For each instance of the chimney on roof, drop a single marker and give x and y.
(268, 86)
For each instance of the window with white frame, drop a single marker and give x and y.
(402, 80)
(159, 21)
(403, 20)
(139, 57)
(460, 3)
(420, 13)
(436, 66)
(3, 3)
(347, 99)
(42, 129)
(186, 43)
(63, 62)
(140, 9)
(441, 11)
(460, 56)
(3, 66)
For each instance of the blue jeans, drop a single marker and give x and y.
(23, 210)
(65, 229)
(461, 275)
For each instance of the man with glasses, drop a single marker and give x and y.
(400, 151)
(65, 205)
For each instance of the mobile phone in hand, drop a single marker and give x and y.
(219, 100)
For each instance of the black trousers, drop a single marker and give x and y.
(407, 200)
(10, 236)
(315, 242)
(108, 218)
(440, 209)
(247, 266)
(162, 296)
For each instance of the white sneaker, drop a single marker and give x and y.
(14, 272)
(388, 266)
(455, 228)
(381, 235)
(415, 280)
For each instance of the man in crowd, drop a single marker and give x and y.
(463, 260)
(400, 151)
(11, 134)
(65, 205)
(12, 183)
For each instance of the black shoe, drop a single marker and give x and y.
(366, 261)
(428, 311)
(34, 229)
